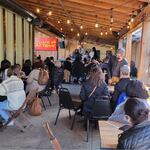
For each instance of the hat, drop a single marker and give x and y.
(125, 69)
(121, 50)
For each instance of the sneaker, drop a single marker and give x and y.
(11, 123)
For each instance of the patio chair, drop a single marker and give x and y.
(101, 111)
(65, 102)
(14, 114)
(53, 140)
(46, 93)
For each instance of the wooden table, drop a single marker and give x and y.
(109, 131)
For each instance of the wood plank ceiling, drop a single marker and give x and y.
(86, 13)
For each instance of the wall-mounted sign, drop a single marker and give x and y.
(45, 44)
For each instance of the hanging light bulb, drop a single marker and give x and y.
(111, 17)
(128, 27)
(61, 29)
(71, 29)
(106, 33)
(78, 34)
(68, 21)
(110, 28)
(38, 10)
(81, 27)
(101, 33)
(86, 33)
(96, 25)
(129, 23)
(132, 19)
(118, 33)
(50, 13)
(58, 22)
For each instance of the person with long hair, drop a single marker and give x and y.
(93, 88)
(138, 135)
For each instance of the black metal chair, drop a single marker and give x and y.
(65, 102)
(101, 110)
(46, 93)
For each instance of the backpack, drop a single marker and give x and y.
(121, 99)
(43, 77)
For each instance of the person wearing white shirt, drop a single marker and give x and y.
(13, 88)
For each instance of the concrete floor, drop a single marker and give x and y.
(35, 137)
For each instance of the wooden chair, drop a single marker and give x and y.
(53, 140)
(20, 112)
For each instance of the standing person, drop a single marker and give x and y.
(136, 137)
(133, 73)
(117, 65)
(13, 88)
(67, 69)
(27, 67)
(50, 65)
(95, 85)
(95, 56)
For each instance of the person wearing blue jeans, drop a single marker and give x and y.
(3, 108)
(13, 89)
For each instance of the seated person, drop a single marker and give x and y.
(33, 78)
(120, 87)
(27, 67)
(92, 89)
(136, 89)
(13, 88)
(19, 72)
(136, 137)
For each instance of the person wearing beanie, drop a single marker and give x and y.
(120, 87)
(120, 61)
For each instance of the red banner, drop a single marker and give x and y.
(45, 44)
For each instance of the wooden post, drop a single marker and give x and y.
(128, 47)
(144, 62)
(120, 43)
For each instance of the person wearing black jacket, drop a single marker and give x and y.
(137, 137)
(120, 87)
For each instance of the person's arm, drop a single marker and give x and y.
(105, 90)
(30, 78)
(115, 94)
(82, 93)
(120, 144)
(2, 90)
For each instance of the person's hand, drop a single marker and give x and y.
(110, 81)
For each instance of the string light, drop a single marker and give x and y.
(86, 33)
(110, 29)
(96, 25)
(38, 10)
(50, 13)
(78, 34)
(81, 27)
(128, 27)
(132, 19)
(68, 21)
(129, 23)
(101, 33)
(71, 29)
(106, 33)
(61, 29)
(58, 22)
(111, 17)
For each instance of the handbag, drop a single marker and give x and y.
(35, 108)
(43, 77)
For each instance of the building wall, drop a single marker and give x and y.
(15, 37)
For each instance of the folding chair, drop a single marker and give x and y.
(47, 93)
(53, 140)
(101, 110)
(65, 102)
(14, 114)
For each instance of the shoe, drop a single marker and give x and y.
(11, 123)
